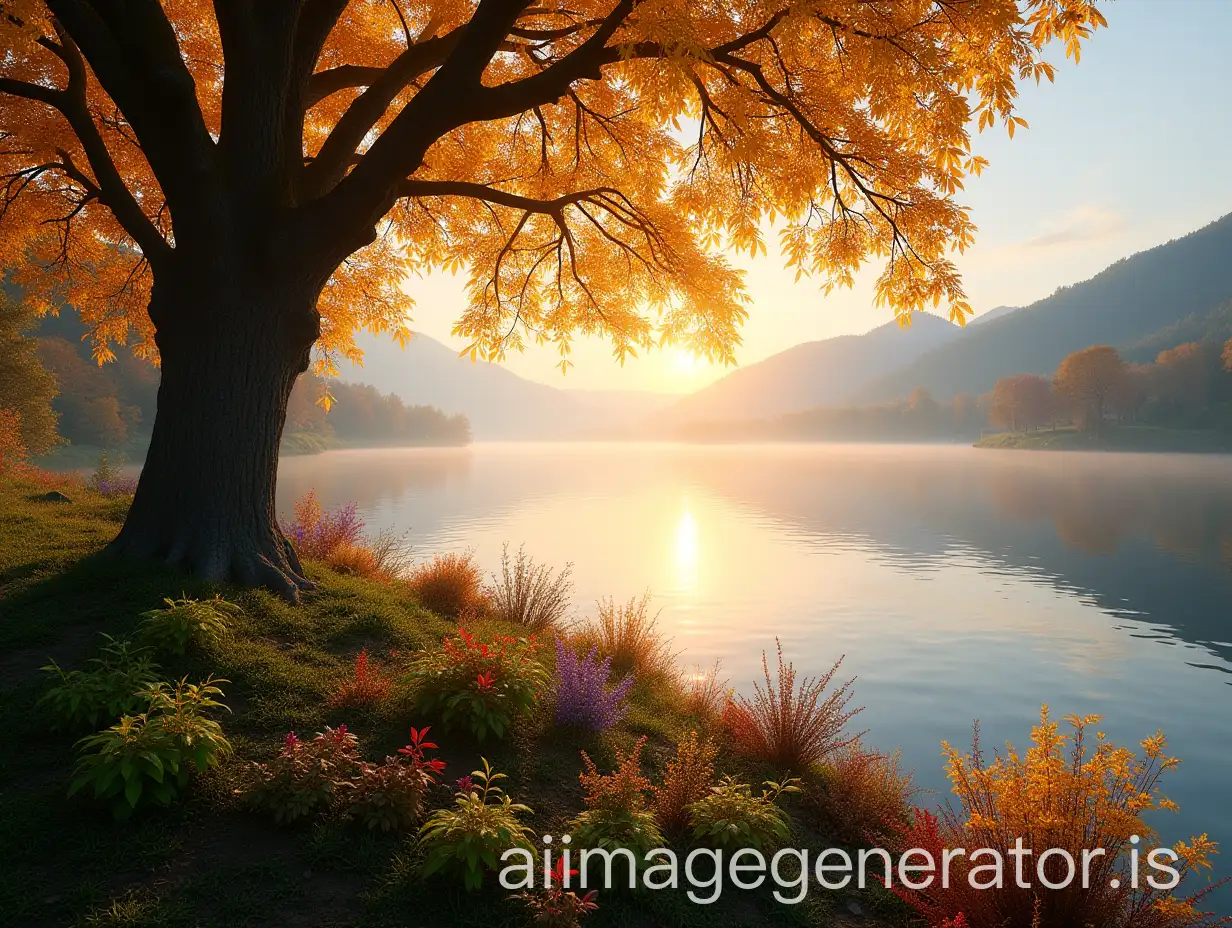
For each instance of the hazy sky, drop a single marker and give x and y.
(1125, 151)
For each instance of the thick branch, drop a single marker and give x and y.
(339, 148)
(258, 44)
(109, 187)
(134, 53)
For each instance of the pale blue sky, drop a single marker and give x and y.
(1129, 149)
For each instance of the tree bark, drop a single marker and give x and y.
(230, 353)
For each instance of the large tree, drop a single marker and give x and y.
(230, 186)
(1021, 402)
(1092, 381)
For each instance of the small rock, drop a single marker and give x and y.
(854, 907)
(54, 496)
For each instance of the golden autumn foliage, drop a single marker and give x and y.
(1071, 791)
(584, 163)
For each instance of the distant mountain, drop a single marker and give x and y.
(1122, 305)
(1214, 327)
(820, 373)
(498, 403)
(995, 313)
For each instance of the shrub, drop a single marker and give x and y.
(705, 695)
(731, 817)
(864, 794)
(185, 622)
(555, 906)
(450, 585)
(486, 684)
(150, 757)
(583, 697)
(107, 479)
(789, 726)
(626, 633)
(687, 779)
(110, 689)
(336, 538)
(354, 559)
(471, 835)
(390, 796)
(307, 776)
(530, 594)
(617, 814)
(381, 558)
(316, 532)
(365, 688)
(1066, 793)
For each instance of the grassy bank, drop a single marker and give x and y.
(1143, 438)
(210, 860)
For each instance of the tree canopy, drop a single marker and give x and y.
(585, 163)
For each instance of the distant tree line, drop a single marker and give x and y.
(362, 415)
(1189, 386)
(53, 391)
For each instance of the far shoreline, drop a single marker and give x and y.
(1124, 438)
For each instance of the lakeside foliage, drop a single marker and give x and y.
(284, 682)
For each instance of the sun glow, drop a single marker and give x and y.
(684, 360)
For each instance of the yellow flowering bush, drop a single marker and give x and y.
(1073, 791)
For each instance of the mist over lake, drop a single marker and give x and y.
(959, 583)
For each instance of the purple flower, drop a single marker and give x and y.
(316, 532)
(118, 486)
(465, 785)
(582, 694)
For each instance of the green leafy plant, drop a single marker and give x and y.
(390, 796)
(471, 835)
(731, 817)
(109, 689)
(617, 814)
(150, 757)
(484, 684)
(307, 776)
(186, 622)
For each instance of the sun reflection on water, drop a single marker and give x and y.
(688, 551)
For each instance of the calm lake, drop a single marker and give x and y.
(959, 583)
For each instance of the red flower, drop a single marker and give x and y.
(558, 872)
(484, 681)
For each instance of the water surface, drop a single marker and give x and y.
(958, 583)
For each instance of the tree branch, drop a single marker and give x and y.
(109, 187)
(134, 53)
(338, 150)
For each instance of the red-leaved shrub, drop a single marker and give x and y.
(792, 727)
(365, 688)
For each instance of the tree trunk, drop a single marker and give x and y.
(205, 500)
